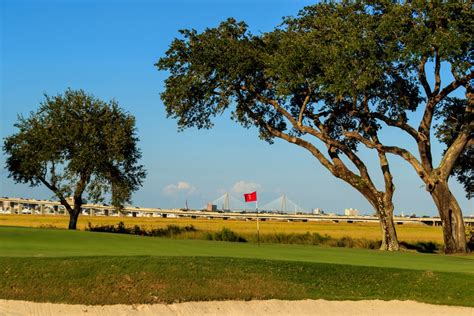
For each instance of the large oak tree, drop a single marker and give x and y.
(338, 73)
(274, 82)
(76, 144)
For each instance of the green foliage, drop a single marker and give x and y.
(225, 234)
(120, 228)
(294, 238)
(344, 57)
(316, 239)
(470, 238)
(335, 68)
(420, 246)
(76, 143)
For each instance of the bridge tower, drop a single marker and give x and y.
(226, 206)
(283, 203)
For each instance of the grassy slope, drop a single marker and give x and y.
(407, 232)
(96, 268)
(30, 242)
(130, 280)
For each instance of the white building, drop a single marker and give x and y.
(351, 212)
(318, 211)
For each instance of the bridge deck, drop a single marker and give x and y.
(16, 207)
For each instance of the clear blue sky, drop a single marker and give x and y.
(108, 48)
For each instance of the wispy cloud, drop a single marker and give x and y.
(180, 187)
(241, 187)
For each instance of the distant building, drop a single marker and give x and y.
(6, 205)
(211, 207)
(351, 212)
(318, 211)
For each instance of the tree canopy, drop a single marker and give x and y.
(74, 144)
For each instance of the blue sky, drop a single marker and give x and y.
(108, 48)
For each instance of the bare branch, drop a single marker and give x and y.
(453, 86)
(303, 107)
(436, 73)
(422, 77)
(455, 73)
(463, 139)
(405, 154)
(397, 123)
(384, 166)
(293, 139)
(452, 153)
(324, 138)
(424, 146)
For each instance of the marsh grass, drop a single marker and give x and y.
(226, 234)
(369, 231)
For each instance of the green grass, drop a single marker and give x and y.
(30, 242)
(129, 280)
(100, 268)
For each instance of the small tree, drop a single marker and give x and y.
(76, 144)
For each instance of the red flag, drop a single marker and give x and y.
(250, 197)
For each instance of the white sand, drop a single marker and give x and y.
(270, 307)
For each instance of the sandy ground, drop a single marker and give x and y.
(270, 307)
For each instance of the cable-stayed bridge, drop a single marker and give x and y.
(227, 202)
(282, 204)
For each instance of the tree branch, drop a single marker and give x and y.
(58, 193)
(405, 154)
(303, 107)
(397, 123)
(463, 139)
(384, 166)
(436, 73)
(454, 73)
(422, 77)
(80, 187)
(452, 153)
(424, 146)
(453, 86)
(293, 139)
(324, 138)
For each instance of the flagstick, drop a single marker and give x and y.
(258, 226)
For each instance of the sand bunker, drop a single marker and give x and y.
(269, 307)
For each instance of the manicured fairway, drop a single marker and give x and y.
(50, 265)
(407, 232)
(30, 242)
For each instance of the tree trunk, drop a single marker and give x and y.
(74, 215)
(451, 219)
(389, 233)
